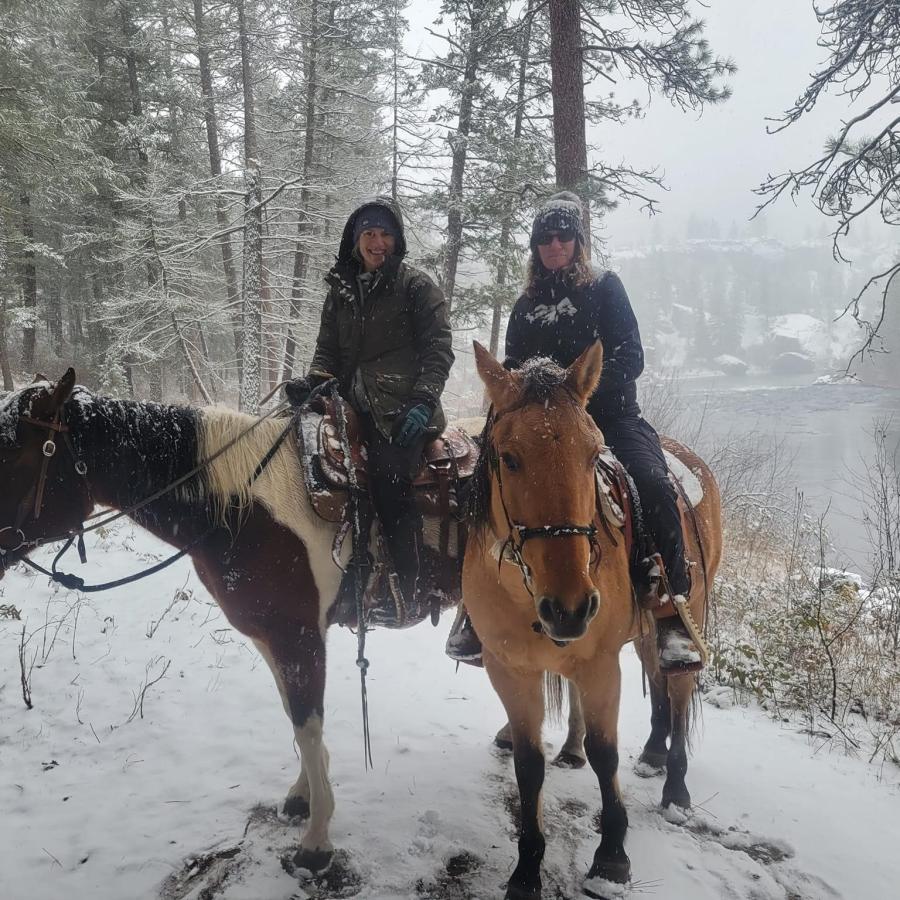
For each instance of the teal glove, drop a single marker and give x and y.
(410, 425)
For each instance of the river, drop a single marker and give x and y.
(826, 428)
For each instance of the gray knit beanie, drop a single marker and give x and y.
(561, 212)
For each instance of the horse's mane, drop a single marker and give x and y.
(141, 446)
(280, 487)
(145, 446)
(542, 380)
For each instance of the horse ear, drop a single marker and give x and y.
(39, 376)
(502, 386)
(63, 389)
(583, 375)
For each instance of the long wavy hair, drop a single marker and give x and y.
(579, 273)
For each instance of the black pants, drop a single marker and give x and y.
(391, 469)
(636, 445)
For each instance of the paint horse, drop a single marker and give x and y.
(268, 564)
(560, 599)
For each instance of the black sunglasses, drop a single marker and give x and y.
(564, 235)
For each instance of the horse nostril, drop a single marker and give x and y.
(545, 609)
(593, 604)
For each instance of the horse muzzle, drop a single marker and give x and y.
(562, 623)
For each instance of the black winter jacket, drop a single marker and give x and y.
(561, 322)
(398, 337)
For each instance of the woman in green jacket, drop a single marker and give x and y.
(385, 336)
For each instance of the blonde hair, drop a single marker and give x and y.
(579, 273)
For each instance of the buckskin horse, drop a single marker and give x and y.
(547, 585)
(220, 487)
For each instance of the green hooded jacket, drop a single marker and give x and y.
(398, 337)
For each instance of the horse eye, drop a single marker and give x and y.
(510, 462)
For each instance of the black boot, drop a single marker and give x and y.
(463, 644)
(678, 652)
(403, 567)
(404, 550)
(355, 578)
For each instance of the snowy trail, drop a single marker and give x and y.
(183, 799)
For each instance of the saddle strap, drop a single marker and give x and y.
(443, 482)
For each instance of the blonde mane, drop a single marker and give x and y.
(280, 487)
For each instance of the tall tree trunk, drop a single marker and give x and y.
(251, 346)
(395, 151)
(5, 367)
(569, 137)
(215, 167)
(55, 304)
(459, 148)
(301, 251)
(155, 375)
(29, 287)
(185, 351)
(505, 243)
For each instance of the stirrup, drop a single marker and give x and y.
(680, 653)
(463, 644)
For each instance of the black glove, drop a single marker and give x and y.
(297, 390)
(411, 422)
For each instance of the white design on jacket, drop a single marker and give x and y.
(550, 313)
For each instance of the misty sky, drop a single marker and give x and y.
(713, 161)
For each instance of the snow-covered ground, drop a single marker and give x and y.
(99, 802)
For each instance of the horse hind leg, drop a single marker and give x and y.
(681, 693)
(654, 756)
(297, 660)
(503, 738)
(571, 754)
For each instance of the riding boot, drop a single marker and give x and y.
(403, 546)
(403, 542)
(463, 644)
(679, 653)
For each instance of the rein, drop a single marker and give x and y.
(75, 582)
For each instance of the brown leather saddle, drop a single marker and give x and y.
(618, 507)
(447, 463)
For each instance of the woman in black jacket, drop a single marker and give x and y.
(564, 309)
(384, 335)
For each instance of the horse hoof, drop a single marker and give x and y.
(655, 759)
(567, 760)
(615, 871)
(316, 861)
(296, 807)
(502, 743)
(523, 892)
(678, 796)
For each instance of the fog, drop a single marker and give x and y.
(714, 158)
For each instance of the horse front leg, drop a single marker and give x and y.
(600, 687)
(296, 657)
(522, 696)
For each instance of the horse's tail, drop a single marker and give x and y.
(554, 693)
(693, 717)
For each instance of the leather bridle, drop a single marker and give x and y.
(518, 533)
(33, 501)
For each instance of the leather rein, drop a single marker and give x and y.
(33, 502)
